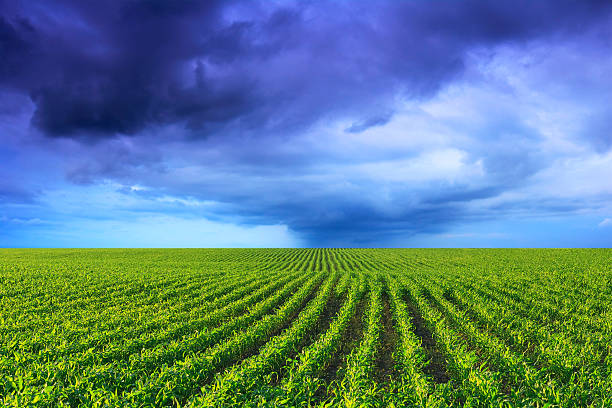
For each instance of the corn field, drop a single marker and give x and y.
(306, 328)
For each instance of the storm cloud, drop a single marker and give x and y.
(98, 71)
(351, 123)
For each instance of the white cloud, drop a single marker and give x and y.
(22, 221)
(607, 222)
(445, 164)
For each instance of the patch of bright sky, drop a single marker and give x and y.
(519, 232)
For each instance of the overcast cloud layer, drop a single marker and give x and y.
(279, 123)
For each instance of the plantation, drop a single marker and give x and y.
(306, 327)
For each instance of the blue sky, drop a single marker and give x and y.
(284, 123)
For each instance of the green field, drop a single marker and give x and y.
(306, 327)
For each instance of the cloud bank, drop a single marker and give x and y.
(347, 123)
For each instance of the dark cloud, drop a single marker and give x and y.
(101, 71)
(349, 220)
(378, 120)
(97, 71)
(330, 210)
(451, 195)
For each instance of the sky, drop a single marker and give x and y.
(306, 123)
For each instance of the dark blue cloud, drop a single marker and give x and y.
(97, 71)
(372, 121)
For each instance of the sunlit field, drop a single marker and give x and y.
(305, 327)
